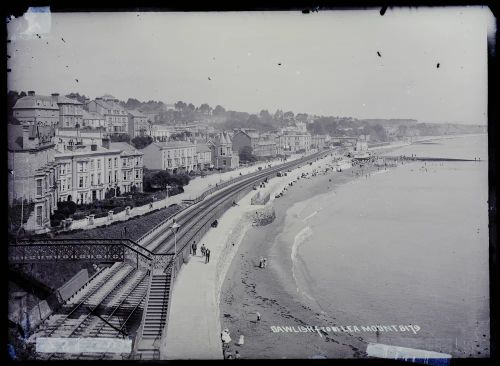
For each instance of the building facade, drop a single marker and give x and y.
(173, 156)
(115, 115)
(33, 174)
(222, 152)
(93, 120)
(292, 142)
(138, 124)
(203, 156)
(70, 111)
(35, 109)
(91, 172)
(132, 164)
(160, 132)
(319, 141)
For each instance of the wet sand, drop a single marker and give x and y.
(272, 291)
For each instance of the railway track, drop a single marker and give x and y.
(111, 304)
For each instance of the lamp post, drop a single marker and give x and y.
(175, 227)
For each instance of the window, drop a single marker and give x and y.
(39, 217)
(116, 176)
(81, 182)
(38, 187)
(91, 179)
(98, 177)
(124, 175)
(92, 164)
(137, 174)
(124, 162)
(109, 177)
(98, 163)
(109, 163)
(116, 162)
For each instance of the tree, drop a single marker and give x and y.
(219, 111)
(204, 108)
(246, 155)
(288, 116)
(180, 106)
(265, 116)
(77, 96)
(120, 137)
(191, 107)
(132, 103)
(140, 142)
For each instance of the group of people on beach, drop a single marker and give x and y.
(205, 252)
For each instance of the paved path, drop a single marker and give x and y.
(193, 330)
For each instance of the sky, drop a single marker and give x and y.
(323, 63)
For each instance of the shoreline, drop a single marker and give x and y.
(259, 289)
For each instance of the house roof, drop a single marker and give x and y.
(15, 135)
(202, 148)
(36, 102)
(124, 147)
(61, 99)
(173, 144)
(136, 113)
(109, 104)
(250, 133)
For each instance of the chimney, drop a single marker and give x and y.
(31, 93)
(55, 96)
(93, 147)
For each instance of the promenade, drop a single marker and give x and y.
(194, 330)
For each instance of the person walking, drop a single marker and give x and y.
(207, 255)
(261, 263)
(264, 262)
(194, 247)
(202, 250)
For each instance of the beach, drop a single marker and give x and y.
(271, 291)
(419, 273)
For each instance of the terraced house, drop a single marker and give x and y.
(70, 111)
(35, 109)
(173, 156)
(138, 124)
(115, 115)
(33, 174)
(131, 161)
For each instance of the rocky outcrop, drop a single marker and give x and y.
(262, 217)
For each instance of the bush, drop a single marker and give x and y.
(118, 209)
(56, 218)
(79, 215)
(101, 214)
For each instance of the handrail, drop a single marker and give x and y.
(130, 244)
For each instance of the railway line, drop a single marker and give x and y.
(126, 301)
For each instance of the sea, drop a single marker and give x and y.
(406, 245)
